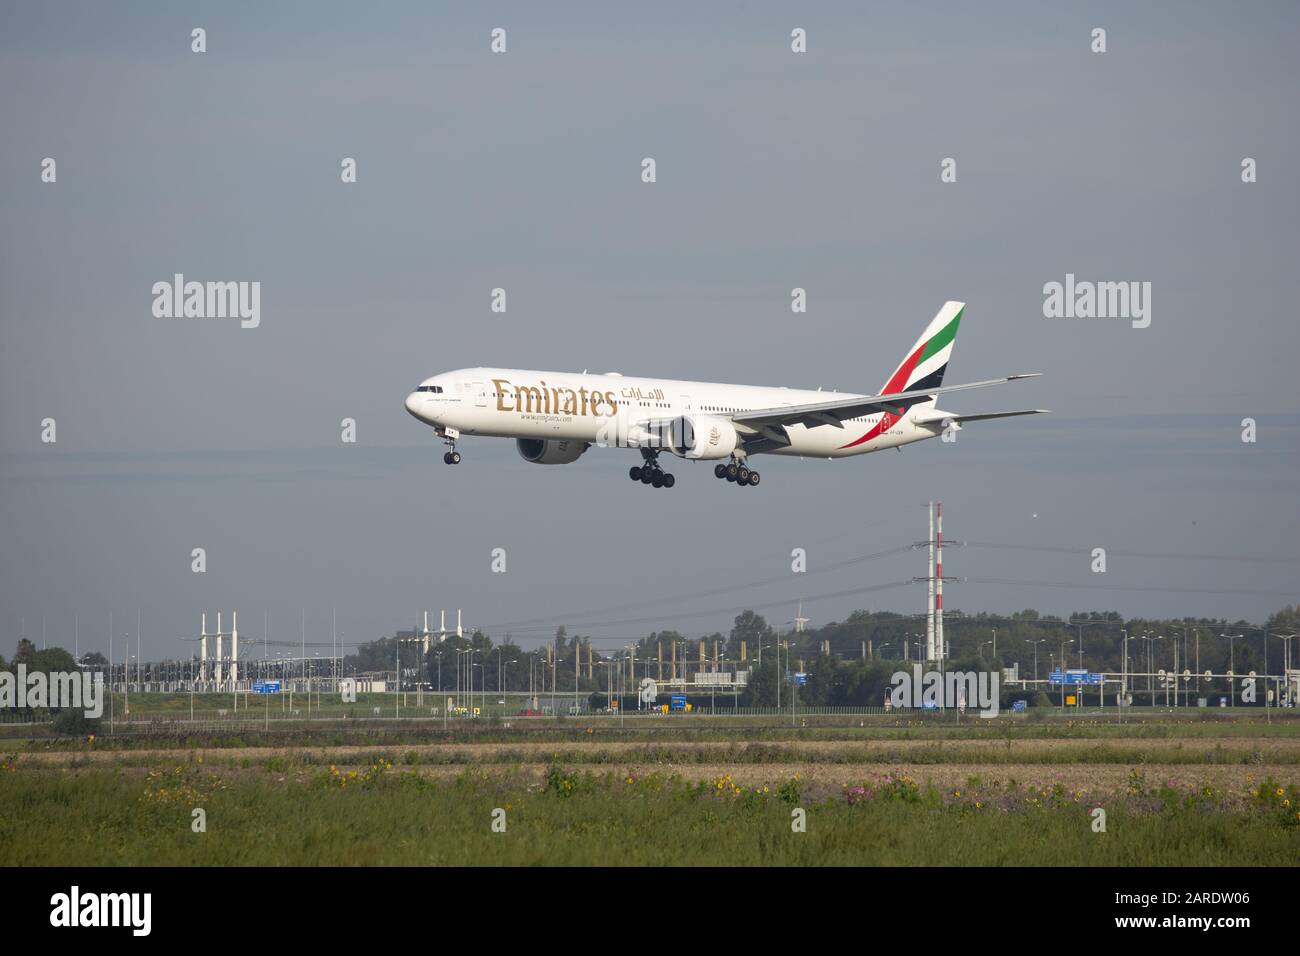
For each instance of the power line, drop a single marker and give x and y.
(1124, 587)
(576, 618)
(1159, 555)
(686, 615)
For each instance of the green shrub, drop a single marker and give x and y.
(75, 723)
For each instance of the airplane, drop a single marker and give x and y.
(554, 417)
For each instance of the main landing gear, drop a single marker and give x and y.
(735, 471)
(650, 473)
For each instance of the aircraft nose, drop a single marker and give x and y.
(413, 403)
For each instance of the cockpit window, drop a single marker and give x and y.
(437, 389)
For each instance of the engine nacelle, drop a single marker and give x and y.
(550, 451)
(702, 437)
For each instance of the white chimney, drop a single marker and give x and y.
(219, 668)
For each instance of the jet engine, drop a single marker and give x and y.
(550, 451)
(702, 437)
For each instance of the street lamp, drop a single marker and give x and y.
(1036, 643)
(1286, 665)
(1063, 643)
(1148, 637)
(1123, 684)
(1151, 667)
(1232, 672)
(555, 664)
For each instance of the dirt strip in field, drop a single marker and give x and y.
(1238, 780)
(1223, 751)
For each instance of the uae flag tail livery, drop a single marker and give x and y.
(927, 360)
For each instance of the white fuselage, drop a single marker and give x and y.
(523, 403)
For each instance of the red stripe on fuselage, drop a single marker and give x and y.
(897, 383)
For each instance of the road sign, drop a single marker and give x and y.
(800, 678)
(1074, 677)
(266, 687)
(678, 702)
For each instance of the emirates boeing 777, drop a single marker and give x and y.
(554, 417)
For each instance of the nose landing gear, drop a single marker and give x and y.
(453, 456)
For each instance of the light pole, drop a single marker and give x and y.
(1063, 643)
(1267, 692)
(609, 685)
(1036, 643)
(1232, 671)
(1146, 636)
(780, 676)
(556, 661)
(1286, 667)
(1123, 684)
(1151, 664)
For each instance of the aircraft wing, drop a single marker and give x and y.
(960, 419)
(836, 412)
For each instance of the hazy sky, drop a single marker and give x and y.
(522, 170)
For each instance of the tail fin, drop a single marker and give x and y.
(927, 360)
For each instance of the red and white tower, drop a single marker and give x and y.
(930, 650)
(941, 650)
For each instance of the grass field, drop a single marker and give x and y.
(895, 791)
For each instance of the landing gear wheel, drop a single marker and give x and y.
(669, 481)
(646, 475)
(742, 475)
(446, 458)
(634, 473)
(719, 471)
(455, 458)
(753, 477)
(733, 471)
(657, 480)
